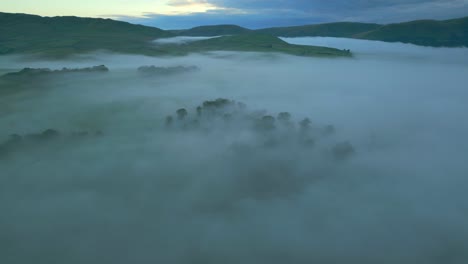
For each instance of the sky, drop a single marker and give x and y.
(173, 14)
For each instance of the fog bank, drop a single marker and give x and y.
(118, 185)
(179, 40)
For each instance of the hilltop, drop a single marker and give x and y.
(263, 43)
(21, 33)
(64, 36)
(448, 33)
(340, 29)
(217, 30)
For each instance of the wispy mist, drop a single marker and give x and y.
(120, 186)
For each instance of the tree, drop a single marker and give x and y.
(343, 150)
(305, 124)
(284, 116)
(181, 113)
(169, 120)
(328, 130)
(267, 122)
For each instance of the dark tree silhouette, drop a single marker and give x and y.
(267, 122)
(181, 113)
(305, 124)
(343, 150)
(284, 116)
(169, 120)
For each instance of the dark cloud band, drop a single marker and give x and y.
(262, 13)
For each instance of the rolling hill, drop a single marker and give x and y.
(448, 33)
(56, 36)
(261, 43)
(64, 36)
(217, 30)
(340, 29)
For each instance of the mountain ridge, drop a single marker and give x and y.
(436, 33)
(214, 30)
(57, 37)
(66, 35)
(69, 34)
(336, 29)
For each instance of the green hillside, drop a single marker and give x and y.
(450, 33)
(261, 43)
(64, 36)
(217, 30)
(57, 36)
(341, 29)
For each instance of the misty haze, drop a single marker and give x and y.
(237, 157)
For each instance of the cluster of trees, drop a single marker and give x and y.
(17, 141)
(231, 117)
(146, 70)
(32, 72)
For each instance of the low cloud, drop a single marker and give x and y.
(179, 40)
(231, 188)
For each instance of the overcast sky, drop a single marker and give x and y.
(171, 14)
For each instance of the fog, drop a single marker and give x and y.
(121, 184)
(378, 49)
(179, 40)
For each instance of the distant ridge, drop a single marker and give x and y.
(215, 30)
(339, 29)
(64, 35)
(445, 33)
(264, 43)
(57, 37)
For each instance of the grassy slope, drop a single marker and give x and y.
(450, 33)
(56, 36)
(262, 43)
(341, 29)
(63, 36)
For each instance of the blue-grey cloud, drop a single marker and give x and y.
(263, 13)
(369, 10)
(336, 5)
(252, 21)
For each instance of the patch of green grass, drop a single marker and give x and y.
(261, 43)
(448, 33)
